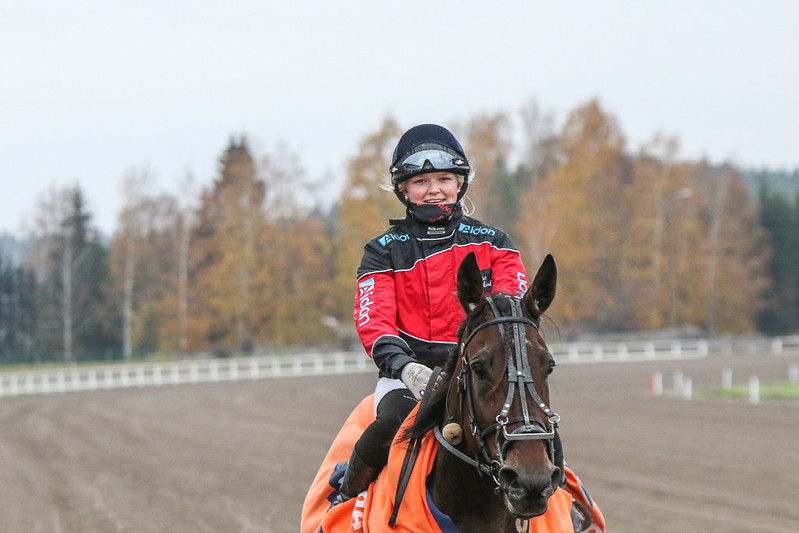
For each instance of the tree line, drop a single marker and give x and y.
(643, 241)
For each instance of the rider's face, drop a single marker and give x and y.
(433, 188)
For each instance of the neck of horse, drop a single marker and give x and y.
(469, 499)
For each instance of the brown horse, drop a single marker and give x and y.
(494, 461)
(499, 397)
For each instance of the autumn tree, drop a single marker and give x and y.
(363, 213)
(666, 232)
(144, 257)
(736, 255)
(582, 211)
(538, 157)
(294, 280)
(494, 188)
(229, 222)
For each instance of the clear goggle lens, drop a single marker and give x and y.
(436, 159)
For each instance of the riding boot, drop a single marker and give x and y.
(357, 477)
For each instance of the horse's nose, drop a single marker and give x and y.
(521, 486)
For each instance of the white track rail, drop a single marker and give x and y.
(155, 374)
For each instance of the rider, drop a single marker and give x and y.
(406, 308)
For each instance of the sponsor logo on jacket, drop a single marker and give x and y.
(488, 282)
(476, 230)
(522, 279)
(366, 290)
(388, 237)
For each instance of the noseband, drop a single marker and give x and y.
(519, 377)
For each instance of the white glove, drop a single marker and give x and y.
(415, 376)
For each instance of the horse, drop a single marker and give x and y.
(481, 453)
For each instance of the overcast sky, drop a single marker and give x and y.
(90, 89)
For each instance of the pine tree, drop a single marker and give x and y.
(230, 222)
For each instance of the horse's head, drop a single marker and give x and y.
(499, 393)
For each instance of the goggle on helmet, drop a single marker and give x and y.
(428, 157)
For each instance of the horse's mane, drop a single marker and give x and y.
(433, 409)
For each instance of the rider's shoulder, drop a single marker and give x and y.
(474, 227)
(397, 233)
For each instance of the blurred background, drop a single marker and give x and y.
(200, 177)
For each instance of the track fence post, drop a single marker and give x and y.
(623, 352)
(687, 389)
(676, 349)
(754, 390)
(726, 378)
(677, 381)
(702, 348)
(793, 374)
(649, 350)
(776, 346)
(598, 352)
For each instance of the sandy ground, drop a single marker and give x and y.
(238, 457)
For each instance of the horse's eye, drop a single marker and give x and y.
(551, 368)
(479, 369)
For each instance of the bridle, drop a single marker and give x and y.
(519, 377)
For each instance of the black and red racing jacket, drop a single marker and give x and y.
(406, 305)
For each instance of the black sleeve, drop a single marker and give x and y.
(390, 354)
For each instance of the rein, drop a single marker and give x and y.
(519, 377)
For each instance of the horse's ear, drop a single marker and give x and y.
(541, 293)
(470, 283)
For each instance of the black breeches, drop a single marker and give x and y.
(374, 444)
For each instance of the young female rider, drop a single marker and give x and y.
(406, 309)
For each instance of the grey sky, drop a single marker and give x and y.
(90, 89)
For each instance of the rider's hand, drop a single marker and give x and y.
(415, 376)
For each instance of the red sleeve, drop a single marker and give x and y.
(375, 308)
(507, 272)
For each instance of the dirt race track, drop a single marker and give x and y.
(238, 457)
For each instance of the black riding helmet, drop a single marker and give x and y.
(428, 148)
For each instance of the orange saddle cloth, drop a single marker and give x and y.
(370, 511)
